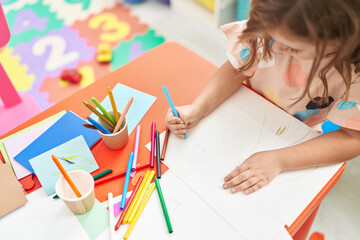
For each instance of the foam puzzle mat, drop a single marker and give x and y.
(49, 36)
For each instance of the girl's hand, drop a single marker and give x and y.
(254, 173)
(188, 118)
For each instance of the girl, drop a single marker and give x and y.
(304, 56)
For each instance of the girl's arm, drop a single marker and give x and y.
(260, 168)
(222, 84)
(332, 147)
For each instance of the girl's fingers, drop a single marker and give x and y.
(174, 120)
(245, 185)
(239, 169)
(237, 179)
(178, 127)
(180, 131)
(255, 187)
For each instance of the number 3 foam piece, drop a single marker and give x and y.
(66, 128)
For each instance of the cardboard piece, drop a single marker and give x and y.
(11, 192)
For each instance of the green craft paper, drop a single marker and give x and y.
(96, 221)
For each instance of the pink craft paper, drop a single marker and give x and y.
(8, 94)
(14, 116)
(117, 209)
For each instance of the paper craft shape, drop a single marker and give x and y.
(73, 155)
(18, 114)
(8, 93)
(5, 31)
(66, 128)
(116, 207)
(11, 192)
(15, 143)
(141, 104)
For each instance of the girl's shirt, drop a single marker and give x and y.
(282, 80)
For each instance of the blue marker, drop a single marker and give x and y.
(126, 183)
(98, 126)
(171, 105)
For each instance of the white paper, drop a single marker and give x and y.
(41, 218)
(241, 126)
(190, 216)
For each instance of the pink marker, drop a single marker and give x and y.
(152, 152)
(136, 147)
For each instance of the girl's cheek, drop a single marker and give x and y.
(276, 47)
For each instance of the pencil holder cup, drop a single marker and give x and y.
(84, 182)
(116, 140)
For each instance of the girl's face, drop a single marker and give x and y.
(298, 48)
(286, 44)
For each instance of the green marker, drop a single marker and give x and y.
(100, 175)
(162, 201)
(103, 110)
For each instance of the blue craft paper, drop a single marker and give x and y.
(140, 105)
(66, 128)
(79, 158)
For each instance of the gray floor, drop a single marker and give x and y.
(339, 214)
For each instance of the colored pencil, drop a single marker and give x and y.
(112, 100)
(158, 164)
(119, 174)
(126, 183)
(99, 114)
(152, 151)
(102, 109)
(100, 175)
(163, 151)
(111, 215)
(172, 106)
(122, 215)
(136, 147)
(66, 176)
(123, 114)
(98, 125)
(127, 215)
(88, 125)
(142, 193)
(141, 208)
(163, 205)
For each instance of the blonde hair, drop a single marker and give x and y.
(319, 21)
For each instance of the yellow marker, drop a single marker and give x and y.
(111, 96)
(127, 215)
(141, 208)
(143, 191)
